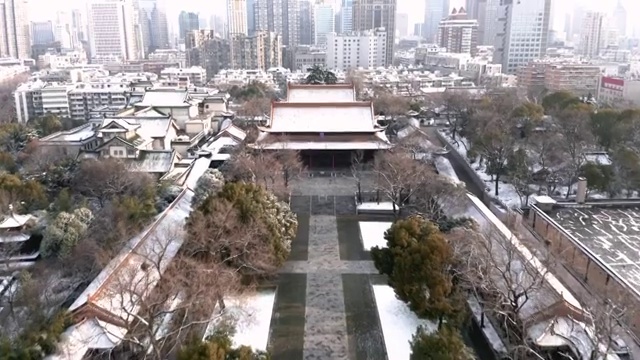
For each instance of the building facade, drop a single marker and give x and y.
(112, 34)
(324, 23)
(525, 34)
(15, 38)
(578, 79)
(187, 21)
(617, 90)
(260, 51)
(366, 49)
(307, 36)
(154, 25)
(375, 14)
(434, 12)
(207, 49)
(346, 16)
(305, 57)
(281, 17)
(458, 34)
(591, 35)
(620, 19)
(237, 17)
(42, 33)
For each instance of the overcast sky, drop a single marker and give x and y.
(44, 9)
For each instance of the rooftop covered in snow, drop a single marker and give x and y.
(320, 93)
(165, 98)
(326, 117)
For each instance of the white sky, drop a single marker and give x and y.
(45, 9)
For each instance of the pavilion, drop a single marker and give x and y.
(326, 124)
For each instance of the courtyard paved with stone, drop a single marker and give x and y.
(325, 308)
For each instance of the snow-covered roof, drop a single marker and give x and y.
(13, 221)
(321, 93)
(88, 334)
(164, 98)
(233, 131)
(167, 231)
(152, 161)
(77, 134)
(121, 123)
(311, 145)
(322, 118)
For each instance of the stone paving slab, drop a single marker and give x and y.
(286, 337)
(329, 267)
(300, 245)
(325, 330)
(323, 239)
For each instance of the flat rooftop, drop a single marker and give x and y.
(611, 233)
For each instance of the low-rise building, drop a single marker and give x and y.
(618, 90)
(262, 50)
(305, 57)
(576, 77)
(196, 74)
(71, 142)
(17, 246)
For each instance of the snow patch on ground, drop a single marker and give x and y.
(252, 318)
(398, 322)
(372, 233)
(444, 167)
(378, 206)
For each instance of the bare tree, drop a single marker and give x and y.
(255, 107)
(458, 108)
(390, 105)
(509, 281)
(571, 124)
(547, 154)
(161, 297)
(398, 176)
(105, 178)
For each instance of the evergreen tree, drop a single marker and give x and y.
(444, 344)
(417, 261)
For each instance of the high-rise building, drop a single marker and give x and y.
(491, 21)
(525, 33)
(591, 36)
(364, 49)
(472, 7)
(374, 14)
(251, 23)
(577, 20)
(458, 34)
(112, 33)
(307, 25)
(62, 29)
(207, 49)
(417, 29)
(237, 17)
(154, 25)
(281, 17)
(42, 32)
(15, 38)
(346, 16)
(434, 12)
(187, 21)
(324, 23)
(402, 25)
(260, 51)
(620, 18)
(78, 26)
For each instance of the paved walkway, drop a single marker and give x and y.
(325, 329)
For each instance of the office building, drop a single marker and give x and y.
(364, 49)
(305, 57)
(237, 17)
(42, 32)
(307, 36)
(491, 21)
(112, 33)
(375, 14)
(154, 25)
(62, 30)
(402, 25)
(525, 34)
(281, 17)
(260, 51)
(324, 23)
(346, 16)
(78, 27)
(251, 21)
(187, 21)
(207, 49)
(620, 18)
(591, 36)
(15, 36)
(434, 12)
(473, 7)
(458, 34)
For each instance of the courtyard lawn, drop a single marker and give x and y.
(398, 322)
(372, 233)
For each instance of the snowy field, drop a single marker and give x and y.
(252, 316)
(379, 207)
(372, 233)
(398, 322)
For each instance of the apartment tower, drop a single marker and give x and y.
(15, 38)
(375, 14)
(237, 17)
(112, 33)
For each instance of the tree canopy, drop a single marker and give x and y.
(417, 261)
(320, 75)
(218, 347)
(444, 344)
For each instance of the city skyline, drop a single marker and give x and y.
(42, 10)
